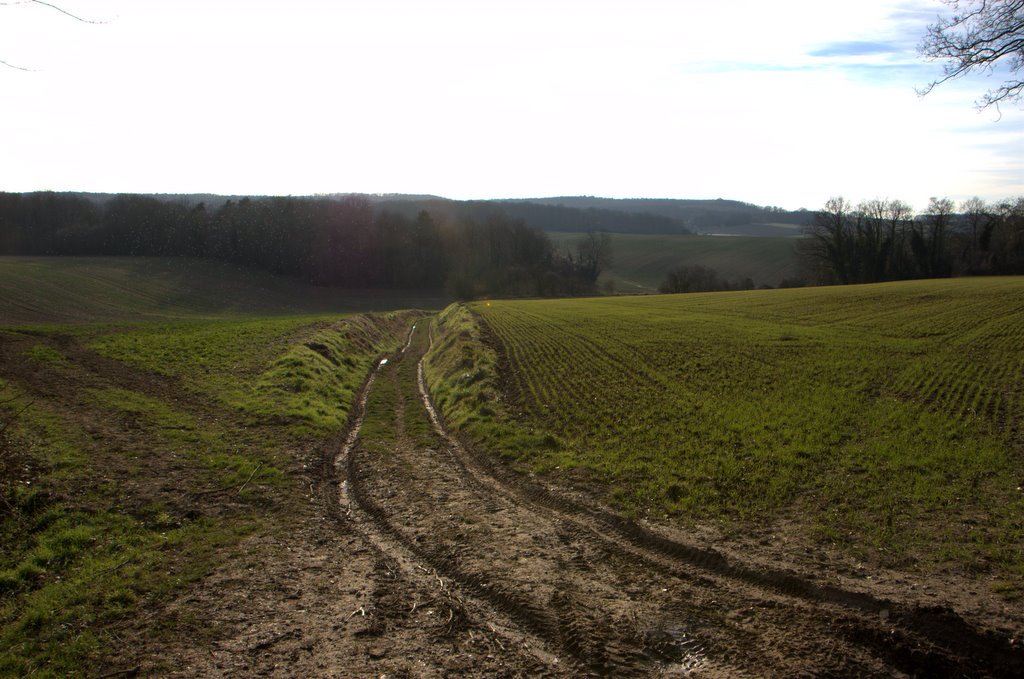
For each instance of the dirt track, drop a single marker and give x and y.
(525, 580)
(415, 555)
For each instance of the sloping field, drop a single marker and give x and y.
(883, 421)
(640, 261)
(36, 290)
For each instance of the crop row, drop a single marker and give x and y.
(868, 407)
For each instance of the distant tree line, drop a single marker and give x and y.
(342, 242)
(582, 213)
(541, 215)
(883, 240)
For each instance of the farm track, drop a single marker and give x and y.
(545, 576)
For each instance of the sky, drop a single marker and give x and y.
(782, 103)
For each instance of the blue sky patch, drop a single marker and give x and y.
(854, 48)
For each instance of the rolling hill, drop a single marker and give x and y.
(640, 261)
(97, 289)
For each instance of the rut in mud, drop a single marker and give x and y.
(529, 581)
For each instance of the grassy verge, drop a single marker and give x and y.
(462, 371)
(300, 371)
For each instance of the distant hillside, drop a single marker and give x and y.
(565, 213)
(538, 215)
(634, 215)
(698, 216)
(210, 200)
(640, 261)
(43, 290)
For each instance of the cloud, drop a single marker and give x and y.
(705, 67)
(855, 48)
(910, 74)
(915, 15)
(994, 124)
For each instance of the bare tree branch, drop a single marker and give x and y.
(44, 4)
(978, 36)
(52, 6)
(18, 68)
(64, 11)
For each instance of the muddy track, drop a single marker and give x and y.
(916, 638)
(567, 579)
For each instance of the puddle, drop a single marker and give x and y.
(682, 651)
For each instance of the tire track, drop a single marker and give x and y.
(593, 643)
(345, 497)
(400, 570)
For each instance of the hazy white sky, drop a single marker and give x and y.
(775, 103)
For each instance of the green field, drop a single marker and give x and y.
(640, 261)
(885, 419)
(96, 289)
(134, 458)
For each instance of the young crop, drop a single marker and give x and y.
(884, 414)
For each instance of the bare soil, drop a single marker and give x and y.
(405, 552)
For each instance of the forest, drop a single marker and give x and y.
(883, 240)
(344, 242)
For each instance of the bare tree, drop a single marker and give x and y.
(980, 35)
(1005, 237)
(874, 243)
(827, 252)
(928, 239)
(863, 244)
(594, 255)
(975, 214)
(899, 216)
